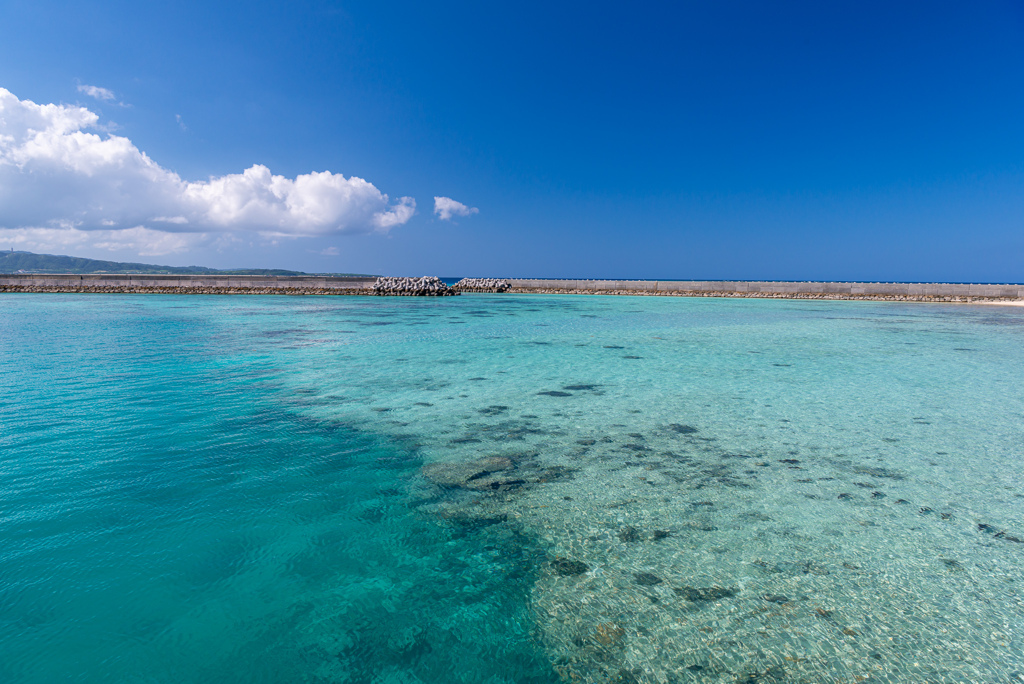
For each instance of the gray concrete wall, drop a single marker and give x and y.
(777, 287)
(233, 281)
(340, 282)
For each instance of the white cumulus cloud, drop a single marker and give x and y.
(96, 92)
(446, 207)
(57, 174)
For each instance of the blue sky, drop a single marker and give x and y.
(860, 140)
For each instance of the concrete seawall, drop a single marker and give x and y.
(136, 281)
(741, 288)
(255, 284)
(187, 284)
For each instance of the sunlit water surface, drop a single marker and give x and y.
(509, 488)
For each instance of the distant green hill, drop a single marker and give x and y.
(27, 262)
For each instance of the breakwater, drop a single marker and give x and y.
(427, 286)
(482, 285)
(186, 284)
(354, 285)
(223, 284)
(937, 292)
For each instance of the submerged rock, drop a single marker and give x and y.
(564, 566)
(555, 473)
(682, 429)
(629, 534)
(647, 579)
(495, 483)
(701, 594)
(609, 634)
(461, 474)
(999, 534)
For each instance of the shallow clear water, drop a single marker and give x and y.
(509, 488)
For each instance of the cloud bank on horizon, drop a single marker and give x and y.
(446, 207)
(63, 186)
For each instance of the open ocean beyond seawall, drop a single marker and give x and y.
(509, 488)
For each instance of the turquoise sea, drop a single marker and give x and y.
(509, 488)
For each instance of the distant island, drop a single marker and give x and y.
(28, 262)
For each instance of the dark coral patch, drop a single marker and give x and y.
(646, 579)
(564, 566)
(682, 429)
(699, 594)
